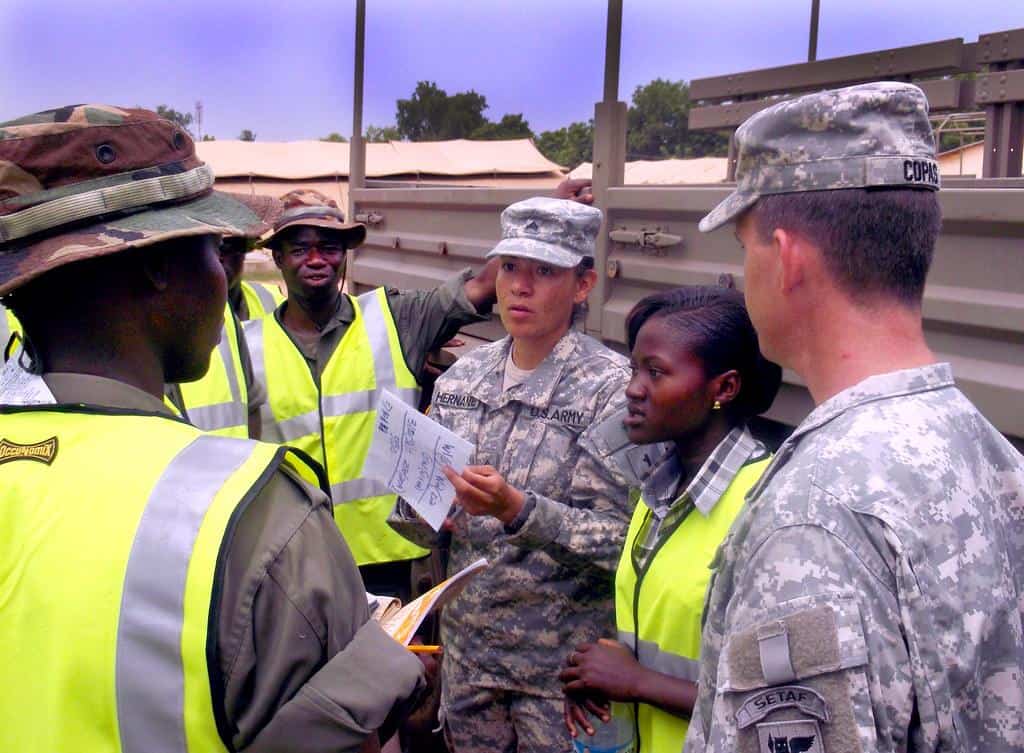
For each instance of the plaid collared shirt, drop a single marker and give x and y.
(668, 509)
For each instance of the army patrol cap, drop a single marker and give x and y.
(871, 135)
(310, 208)
(559, 232)
(85, 181)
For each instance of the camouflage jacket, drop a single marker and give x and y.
(868, 598)
(549, 586)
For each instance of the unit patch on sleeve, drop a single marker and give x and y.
(41, 452)
(758, 706)
(802, 736)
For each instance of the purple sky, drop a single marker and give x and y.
(284, 69)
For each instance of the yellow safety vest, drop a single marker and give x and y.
(219, 402)
(260, 299)
(658, 610)
(10, 334)
(111, 529)
(332, 418)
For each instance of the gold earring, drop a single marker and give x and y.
(716, 406)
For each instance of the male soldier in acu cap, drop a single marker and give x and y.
(324, 356)
(869, 596)
(164, 589)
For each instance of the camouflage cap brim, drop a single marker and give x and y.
(529, 248)
(731, 207)
(354, 232)
(267, 210)
(212, 214)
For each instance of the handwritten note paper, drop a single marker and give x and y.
(408, 452)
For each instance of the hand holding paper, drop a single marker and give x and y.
(409, 451)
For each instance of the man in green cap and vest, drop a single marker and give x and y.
(165, 589)
(325, 356)
(247, 298)
(227, 400)
(868, 596)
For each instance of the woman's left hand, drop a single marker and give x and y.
(481, 490)
(607, 668)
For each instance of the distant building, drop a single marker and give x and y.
(666, 172)
(275, 167)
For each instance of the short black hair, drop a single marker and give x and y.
(713, 323)
(876, 241)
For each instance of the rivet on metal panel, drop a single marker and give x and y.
(613, 268)
(726, 280)
(396, 243)
(443, 248)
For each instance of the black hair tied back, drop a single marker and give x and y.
(714, 324)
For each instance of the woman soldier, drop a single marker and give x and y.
(698, 376)
(543, 504)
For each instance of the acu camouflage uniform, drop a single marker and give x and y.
(869, 595)
(549, 586)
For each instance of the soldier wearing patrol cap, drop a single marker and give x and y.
(546, 500)
(165, 589)
(869, 596)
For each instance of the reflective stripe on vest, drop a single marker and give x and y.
(260, 299)
(658, 611)
(332, 419)
(218, 402)
(107, 630)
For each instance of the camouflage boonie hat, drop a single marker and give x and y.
(559, 232)
(305, 206)
(862, 136)
(267, 210)
(85, 181)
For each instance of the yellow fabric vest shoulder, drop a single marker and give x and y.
(10, 333)
(260, 299)
(219, 402)
(112, 526)
(658, 611)
(332, 418)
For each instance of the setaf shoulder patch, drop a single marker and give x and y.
(42, 452)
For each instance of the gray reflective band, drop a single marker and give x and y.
(222, 415)
(357, 488)
(266, 299)
(128, 195)
(149, 674)
(253, 330)
(299, 426)
(380, 346)
(650, 655)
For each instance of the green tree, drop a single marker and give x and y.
(380, 134)
(208, 137)
(184, 119)
(246, 135)
(509, 127)
(431, 113)
(335, 138)
(568, 146)
(658, 124)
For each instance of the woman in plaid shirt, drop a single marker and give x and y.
(698, 376)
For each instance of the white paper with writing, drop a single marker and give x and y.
(408, 452)
(20, 387)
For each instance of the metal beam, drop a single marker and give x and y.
(356, 145)
(812, 42)
(612, 50)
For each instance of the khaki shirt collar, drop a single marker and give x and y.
(87, 389)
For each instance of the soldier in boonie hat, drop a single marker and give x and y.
(85, 181)
(559, 232)
(310, 208)
(872, 135)
(250, 299)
